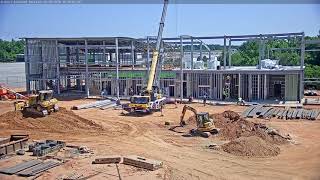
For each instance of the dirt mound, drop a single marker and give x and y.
(231, 115)
(246, 138)
(251, 146)
(62, 121)
(233, 127)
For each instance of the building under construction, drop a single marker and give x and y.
(119, 66)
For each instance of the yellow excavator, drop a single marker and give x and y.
(40, 104)
(205, 125)
(151, 98)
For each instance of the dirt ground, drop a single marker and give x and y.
(183, 157)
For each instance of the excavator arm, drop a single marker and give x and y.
(184, 110)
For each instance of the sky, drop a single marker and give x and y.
(141, 20)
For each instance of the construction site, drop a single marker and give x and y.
(169, 108)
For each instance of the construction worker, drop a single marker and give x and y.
(204, 99)
(190, 99)
(224, 94)
(161, 109)
(131, 91)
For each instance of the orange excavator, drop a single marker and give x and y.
(205, 125)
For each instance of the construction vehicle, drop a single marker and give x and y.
(151, 98)
(40, 104)
(204, 123)
(7, 93)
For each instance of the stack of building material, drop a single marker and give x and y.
(46, 147)
(107, 160)
(132, 160)
(20, 167)
(142, 162)
(97, 104)
(280, 113)
(255, 111)
(30, 168)
(32, 171)
(246, 112)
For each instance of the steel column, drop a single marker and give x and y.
(87, 69)
(27, 66)
(104, 52)
(191, 53)
(117, 67)
(302, 67)
(250, 87)
(239, 86)
(260, 52)
(58, 68)
(201, 51)
(181, 69)
(132, 54)
(265, 87)
(229, 53)
(258, 81)
(224, 52)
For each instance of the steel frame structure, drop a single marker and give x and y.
(93, 64)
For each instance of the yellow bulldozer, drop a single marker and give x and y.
(40, 104)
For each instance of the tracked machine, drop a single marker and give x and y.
(205, 125)
(40, 104)
(150, 99)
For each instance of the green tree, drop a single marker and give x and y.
(10, 49)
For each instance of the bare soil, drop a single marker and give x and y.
(60, 122)
(111, 133)
(251, 146)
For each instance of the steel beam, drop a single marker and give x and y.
(87, 70)
(302, 67)
(229, 53)
(27, 66)
(132, 54)
(181, 69)
(117, 68)
(224, 52)
(58, 68)
(192, 53)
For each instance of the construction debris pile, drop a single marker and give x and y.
(246, 138)
(281, 113)
(62, 121)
